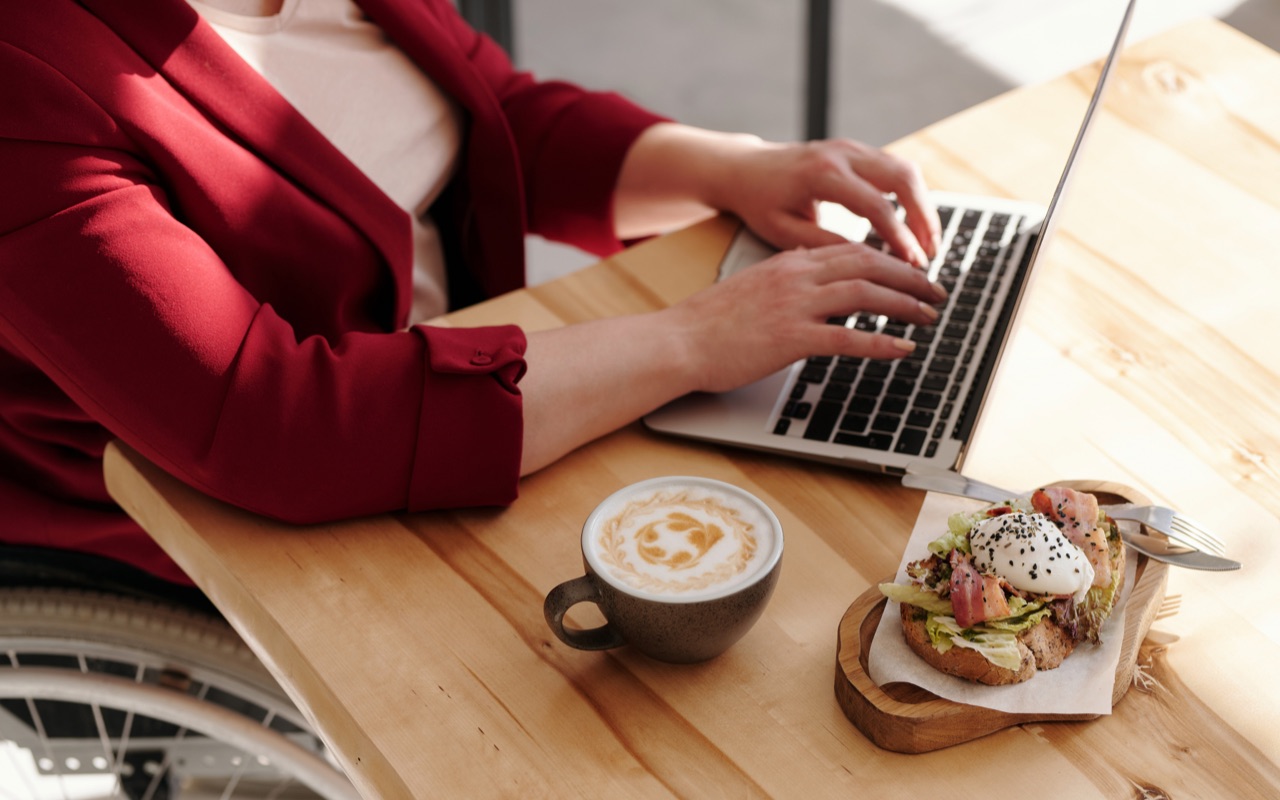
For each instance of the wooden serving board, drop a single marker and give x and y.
(907, 719)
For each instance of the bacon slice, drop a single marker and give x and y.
(1076, 513)
(974, 597)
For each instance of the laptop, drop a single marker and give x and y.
(886, 415)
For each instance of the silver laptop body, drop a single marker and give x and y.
(885, 415)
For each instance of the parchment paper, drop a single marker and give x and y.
(1082, 685)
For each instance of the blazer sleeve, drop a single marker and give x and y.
(143, 326)
(571, 141)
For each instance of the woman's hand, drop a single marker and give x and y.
(675, 174)
(589, 379)
(775, 312)
(775, 189)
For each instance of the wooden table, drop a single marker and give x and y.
(417, 645)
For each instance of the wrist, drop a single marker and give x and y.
(674, 163)
(726, 161)
(683, 350)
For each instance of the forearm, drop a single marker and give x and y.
(585, 381)
(675, 175)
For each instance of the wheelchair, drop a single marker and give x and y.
(114, 683)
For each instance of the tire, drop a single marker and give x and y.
(163, 701)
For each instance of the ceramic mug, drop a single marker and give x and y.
(681, 567)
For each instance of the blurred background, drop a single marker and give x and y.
(895, 65)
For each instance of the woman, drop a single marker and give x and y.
(227, 216)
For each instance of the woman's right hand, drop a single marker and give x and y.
(723, 337)
(775, 312)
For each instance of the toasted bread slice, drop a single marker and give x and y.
(1043, 646)
(962, 661)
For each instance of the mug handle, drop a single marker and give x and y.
(566, 596)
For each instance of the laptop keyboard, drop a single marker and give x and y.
(907, 406)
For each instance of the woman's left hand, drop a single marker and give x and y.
(775, 189)
(676, 174)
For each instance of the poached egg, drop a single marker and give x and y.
(1029, 552)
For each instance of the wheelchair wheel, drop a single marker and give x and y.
(111, 696)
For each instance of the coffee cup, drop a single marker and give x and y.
(681, 567)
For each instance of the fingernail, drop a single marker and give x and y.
(929, 311)
(939, 290)
(922, 260)
(905, 345)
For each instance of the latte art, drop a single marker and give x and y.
(682, 540)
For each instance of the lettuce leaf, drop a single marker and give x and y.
(998, 647)
(949, 541)
(915, 596)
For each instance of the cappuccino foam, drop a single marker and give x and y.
(682, 540)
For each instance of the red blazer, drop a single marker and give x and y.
(187, 265)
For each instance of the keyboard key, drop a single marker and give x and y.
(781, 426)
(844, 373)
(823, 421)
(878, 369)
(894, 404)
(902, 386)
(920, 419)
(907, 369)
(911, 441)
(934, 382)
(836, 392)
(813, 373)
(928, 401)
(943, 364)
(886, 422)
(861, 404)
(854, 423)
(869, 387)
(797, 391)
(875, 441)
(949, 347)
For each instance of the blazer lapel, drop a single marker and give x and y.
(194, 58)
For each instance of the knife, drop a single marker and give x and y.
(954, 483)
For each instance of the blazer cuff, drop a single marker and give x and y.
(471, 427)
(577, 172)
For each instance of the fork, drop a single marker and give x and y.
(1175, 525)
